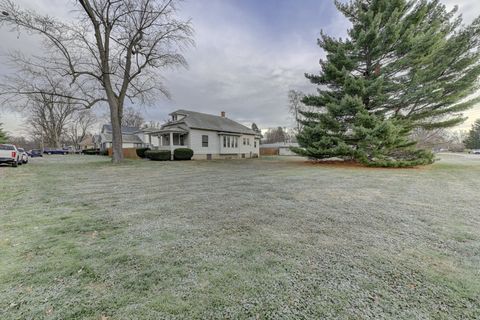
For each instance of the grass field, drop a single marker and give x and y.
(246, 239)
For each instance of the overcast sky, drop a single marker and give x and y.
(248, 54)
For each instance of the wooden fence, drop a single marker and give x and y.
(268, 151)
(128, 153)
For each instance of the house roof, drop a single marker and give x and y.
(177, 128)
(198, 120)
(107, 128)
(126, 138)
(87, 141)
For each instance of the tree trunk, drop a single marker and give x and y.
(117, 141)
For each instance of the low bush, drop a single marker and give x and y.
(141, 152)
(183, 154)
(103, 153)
(158, 155)
(91, 151)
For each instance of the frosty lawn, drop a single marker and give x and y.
(267, 239)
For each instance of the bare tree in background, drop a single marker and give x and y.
(52, 116)
(439, 139)
(79, 127)
(132, 118)
(274, 135)
(429, 138)
(154, 124)
(109, 54)
(47, 117)
(296, 106)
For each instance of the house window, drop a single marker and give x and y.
(255, 143)
(244, 142)
(176, 139)
(248, 141)
(224, 141)
(228, 141)
(236, 142)
(204, 141)
(166, 140)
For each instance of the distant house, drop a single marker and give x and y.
(87, 143)
(278, 149)
(131, 137)
(209, 136)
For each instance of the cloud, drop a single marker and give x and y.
(240, 66)
(248, 55)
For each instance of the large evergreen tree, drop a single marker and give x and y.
(473, 139)
(404, 64)
(3, 135)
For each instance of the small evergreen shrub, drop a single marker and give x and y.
(141, 152)
(91, 151)
(183, 154)
(158, 155)
(104, 153)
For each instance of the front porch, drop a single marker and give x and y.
(171, 139)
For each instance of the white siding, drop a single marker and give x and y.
(249, 148)
(195, 142)
(215, 145)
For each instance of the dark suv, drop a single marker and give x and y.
(35, 153)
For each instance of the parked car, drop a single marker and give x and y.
(9, 154)
(35, 153)
(24, 155)
(475, 151)
(55, 151)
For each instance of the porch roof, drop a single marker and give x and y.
(166, 130)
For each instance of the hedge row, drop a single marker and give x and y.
(141, 152)
(95, 152)
(183, 154)
(165, 155)
(158, 155)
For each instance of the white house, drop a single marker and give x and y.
(209, 136)
(131, 137)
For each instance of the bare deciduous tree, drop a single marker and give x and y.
(438, 139)
(79, 127)
(132, 118)
(274, 135)
(48, 117)
(296, 106)
(108, 55)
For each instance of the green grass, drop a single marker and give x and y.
(248, 239)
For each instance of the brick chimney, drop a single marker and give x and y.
(222, 114)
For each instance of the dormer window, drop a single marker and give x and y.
(177, 117)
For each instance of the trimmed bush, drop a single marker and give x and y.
(158, 155)
(183, 154)
(91, 151)
(141, 152)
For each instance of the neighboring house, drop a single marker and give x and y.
(131, 138)
(278, 149)
(87, 143)
(209, 136)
